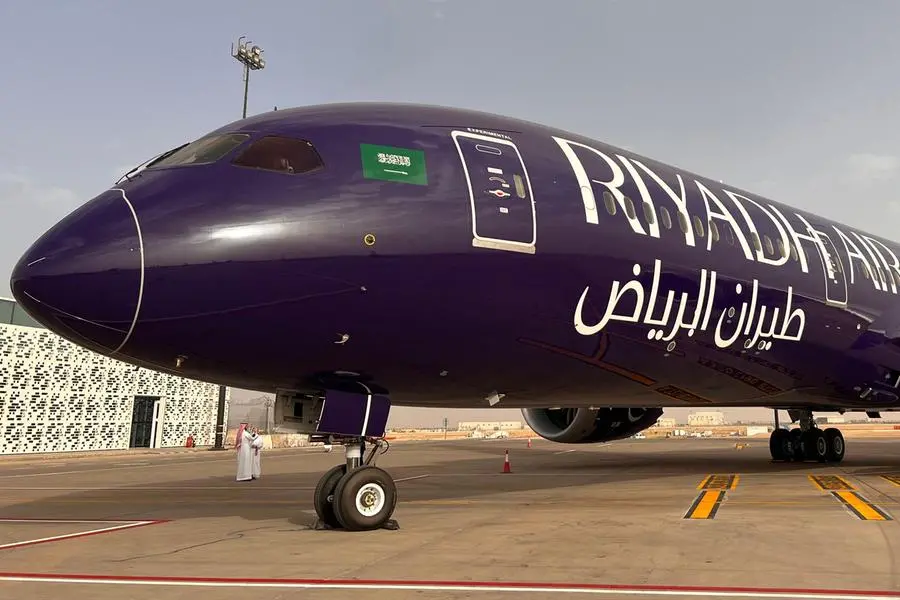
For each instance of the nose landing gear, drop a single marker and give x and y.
(357, 496)
(806, 442)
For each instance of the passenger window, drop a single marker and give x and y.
(203, 151)
(629, 208)
(714, 231)
(665, 217)
(780, 245)
(648, 213)
(520, 186)
(768, 242)
(756, 243)
(698, 226)
(610, 202)
(683, 222)
(281, 154)
(729, 235)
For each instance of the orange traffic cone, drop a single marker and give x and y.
(529, 442)
(506, 468)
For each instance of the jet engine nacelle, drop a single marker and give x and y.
(589, 425)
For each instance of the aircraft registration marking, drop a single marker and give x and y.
(828, 483)
(892, 479)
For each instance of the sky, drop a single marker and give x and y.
(797, 101)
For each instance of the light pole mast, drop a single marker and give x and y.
(252, 59)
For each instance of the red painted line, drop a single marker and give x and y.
(450, 585)
(122, 526)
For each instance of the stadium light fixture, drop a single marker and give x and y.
(252, 57)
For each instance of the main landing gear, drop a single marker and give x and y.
(806, 442)
(357, 496)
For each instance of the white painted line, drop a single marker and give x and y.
(67, 521)
(117, 468)
(684, 592)
(162, 488)
(411, 478)
(48, 473)
(565, 451)
(66, 536)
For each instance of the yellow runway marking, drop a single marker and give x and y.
(719, 482)
(846, 493)
(830, 483)
(860, 507)
(706, 505)
(893, 479)
(712, 493)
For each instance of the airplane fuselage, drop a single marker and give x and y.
(456, 258)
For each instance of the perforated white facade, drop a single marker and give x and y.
(58, 397)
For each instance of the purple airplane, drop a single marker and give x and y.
(353, 256)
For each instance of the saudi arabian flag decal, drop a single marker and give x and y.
(389, 163)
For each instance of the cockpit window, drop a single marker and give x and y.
(203, 151)
(281, 154)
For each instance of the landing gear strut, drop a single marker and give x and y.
(357, 496)
(806, 442)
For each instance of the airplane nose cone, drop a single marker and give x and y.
(82, 279)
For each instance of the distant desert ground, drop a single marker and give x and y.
(854, 430)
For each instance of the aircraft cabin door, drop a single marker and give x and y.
(835, 278)
(503, 213)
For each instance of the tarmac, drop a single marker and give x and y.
(686, 518)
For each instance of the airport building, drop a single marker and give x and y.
(58, 397)
(706, 419)
(489, 425)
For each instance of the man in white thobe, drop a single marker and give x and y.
(257, 445)
(243, 444)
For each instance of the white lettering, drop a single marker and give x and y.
(877, 270)
(798, 238)
(854, 253)
(679, 200)
(724, 215)
(781, 319)
(893, 266)
(394, 159)
(782, 235)
(615, 295)
(645, 194)
(754, 234)
(758, 323)
(587, 191)
(581, 176)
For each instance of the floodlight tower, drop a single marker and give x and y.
(252, 59)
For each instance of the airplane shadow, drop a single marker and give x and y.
(545, 467)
